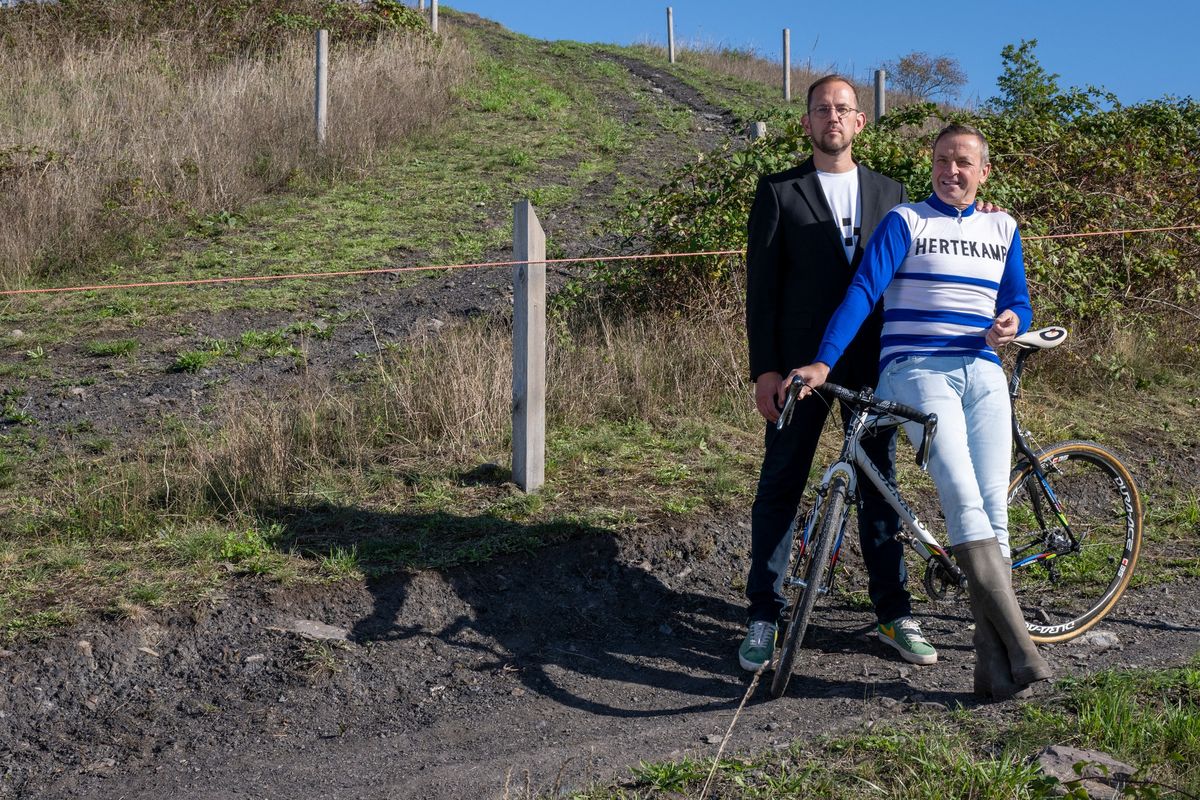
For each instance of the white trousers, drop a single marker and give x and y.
(972, 448)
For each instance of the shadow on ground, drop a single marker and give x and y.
(584, 622)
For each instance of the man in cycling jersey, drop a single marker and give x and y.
(953, 287)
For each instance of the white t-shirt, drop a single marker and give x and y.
(841, 192)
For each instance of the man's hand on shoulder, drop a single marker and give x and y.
(766, 387)
(988, 207)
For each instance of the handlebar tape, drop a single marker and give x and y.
(866, 400)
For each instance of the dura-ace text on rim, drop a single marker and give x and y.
(1075, 536)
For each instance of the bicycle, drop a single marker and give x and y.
(1075, 519)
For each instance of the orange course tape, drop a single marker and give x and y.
(483, 264)
(354, 272)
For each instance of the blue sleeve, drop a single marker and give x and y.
(882, 257)
(1014, 292)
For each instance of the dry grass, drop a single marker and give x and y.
(747, 65)
(446, 399)
(436, 402)
(654, 366)
(101, 142)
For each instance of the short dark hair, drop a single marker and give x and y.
(819, 82)
(958, 129)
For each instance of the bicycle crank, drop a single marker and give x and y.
(939, 581)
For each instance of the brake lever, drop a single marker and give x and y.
(927, 442)
(789, 405)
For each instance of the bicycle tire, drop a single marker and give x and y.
(812, 566)
(1064, 593)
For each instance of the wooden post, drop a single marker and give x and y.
(321, 94)
(670, 35)
(420, 5)
(529, 349)
(880, 93)
(433, 17)
(787, 65)
(758, 130)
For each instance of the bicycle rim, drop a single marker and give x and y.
(812, 567)
(1064, 592)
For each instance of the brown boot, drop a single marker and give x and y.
(1007, 660)
(993, 677)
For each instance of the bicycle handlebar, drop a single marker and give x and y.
(867, 401)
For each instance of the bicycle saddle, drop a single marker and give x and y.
(1042, 338)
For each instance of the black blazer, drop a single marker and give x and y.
(797, 273)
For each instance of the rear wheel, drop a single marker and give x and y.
(1070, 570)
(810, 568)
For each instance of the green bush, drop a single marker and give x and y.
(1063, 162)
(246, 545)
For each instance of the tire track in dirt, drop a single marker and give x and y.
(678, 91)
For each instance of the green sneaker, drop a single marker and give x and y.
(758, 646)
(904, 634)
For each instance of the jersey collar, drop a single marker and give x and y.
(937, 204)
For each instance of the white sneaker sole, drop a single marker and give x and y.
(749, 666)
(907, 655)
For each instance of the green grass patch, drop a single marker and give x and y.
(194, 360)
(112, 348)
(1148, 718)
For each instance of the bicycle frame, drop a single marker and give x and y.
(854, 454)
(913, 532)
(920, 540)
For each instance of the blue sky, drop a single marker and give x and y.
(1138, 51)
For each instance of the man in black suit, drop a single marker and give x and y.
(807, 229)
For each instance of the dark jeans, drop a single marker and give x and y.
(788, 458)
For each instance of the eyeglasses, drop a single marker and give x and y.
(827, 112)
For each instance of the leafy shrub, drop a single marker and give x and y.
(246, 545)
(1064, 162)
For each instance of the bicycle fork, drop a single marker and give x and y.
(814, 516)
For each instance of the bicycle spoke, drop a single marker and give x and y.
(827, 528)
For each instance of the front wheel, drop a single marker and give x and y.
(808, 573)
(1074, 542)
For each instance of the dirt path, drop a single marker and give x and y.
(553, 670)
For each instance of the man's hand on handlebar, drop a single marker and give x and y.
(812, 375)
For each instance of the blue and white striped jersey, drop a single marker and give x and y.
(943, 275)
